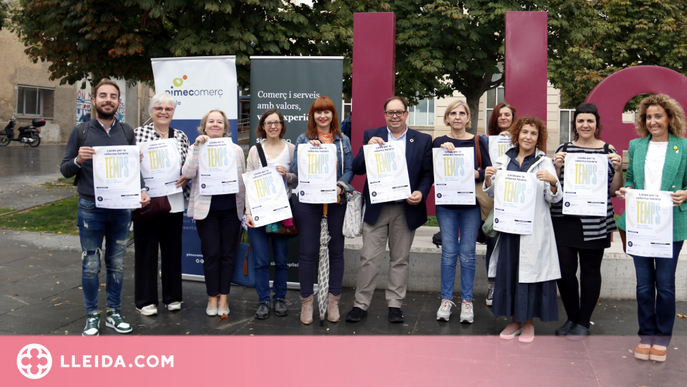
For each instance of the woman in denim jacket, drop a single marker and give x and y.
(323, 128)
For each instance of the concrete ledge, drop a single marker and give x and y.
(617, 268)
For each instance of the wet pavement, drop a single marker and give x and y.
(23, 172)
(40, 294)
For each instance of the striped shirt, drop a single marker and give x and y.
(593, 227)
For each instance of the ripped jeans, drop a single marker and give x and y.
(94, 224)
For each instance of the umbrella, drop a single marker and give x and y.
(323, 267)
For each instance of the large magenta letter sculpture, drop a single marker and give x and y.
(611, 95)
(526, 60)
(374, 69)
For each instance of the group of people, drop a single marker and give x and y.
(524, 271)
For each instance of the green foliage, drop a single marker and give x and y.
(621, 34)
(3, 13)
(96, 39)
(58, 217)
(442, 46)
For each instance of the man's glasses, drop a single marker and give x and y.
(160, 109)
(399, 113)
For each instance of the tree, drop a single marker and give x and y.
(622, 34)
(116, 38)
(442, 46)
(3, 13)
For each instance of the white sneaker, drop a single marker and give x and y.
(176, 305)
(467, 314)
(444, 312)
(490, 295)
(148, 310)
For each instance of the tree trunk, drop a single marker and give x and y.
(473, 104)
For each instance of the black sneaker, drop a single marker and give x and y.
(92, 325)
(263, 311)
(395, 315)
(280, 308)
(355, 314)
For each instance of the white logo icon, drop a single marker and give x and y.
(34, 361)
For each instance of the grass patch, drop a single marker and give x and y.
(3, 210)
(62, 182)
(58, 218)
(432, 221)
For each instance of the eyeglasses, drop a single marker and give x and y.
(273, 123)
(160, 109)
(399, 113)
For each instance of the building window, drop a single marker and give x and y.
(422, 114)
(494, 97)
(565, 116)
(35, 102)
(346, 108)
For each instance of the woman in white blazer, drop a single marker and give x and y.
(526, 266)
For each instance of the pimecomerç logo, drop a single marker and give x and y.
(175, 91)
(34, 361)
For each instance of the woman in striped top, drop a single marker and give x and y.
(583, 236)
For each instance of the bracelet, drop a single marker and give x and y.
(553, 185)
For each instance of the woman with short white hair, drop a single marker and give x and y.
(163, 231)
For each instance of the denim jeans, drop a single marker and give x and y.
(455, 222)
(260, 247)
(94, 224)
(656, 297)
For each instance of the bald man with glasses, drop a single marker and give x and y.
(392, 222)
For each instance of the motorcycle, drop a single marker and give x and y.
(28, 135)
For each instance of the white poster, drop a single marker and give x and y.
(649, 220)
(217, 167)
(498, 146)
(387, 172)
(454, 176)
(515, 196)
(160, 167)
(317, 173)
(198, 84)
(586, 184)
(117, 177)
(266, 196)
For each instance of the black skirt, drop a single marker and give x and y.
(522, 301)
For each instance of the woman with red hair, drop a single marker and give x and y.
(323, 128)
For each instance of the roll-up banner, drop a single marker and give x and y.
(198, 84)
(291, 84)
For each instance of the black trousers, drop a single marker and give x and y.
(580, 299)
(165, 232)
(219, 239)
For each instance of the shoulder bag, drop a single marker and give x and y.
(286, 227)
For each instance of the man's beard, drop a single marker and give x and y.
(103, 115)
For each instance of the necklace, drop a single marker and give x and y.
(162, 135)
